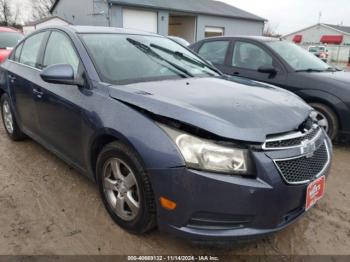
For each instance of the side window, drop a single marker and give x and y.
(60, 50)
(250, 56)
(15, 56)
(214, 51)
(31, 49)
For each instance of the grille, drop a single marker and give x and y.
(293, 141)
(303, 169)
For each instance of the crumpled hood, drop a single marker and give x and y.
(228, 109)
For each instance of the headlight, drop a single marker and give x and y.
(207, 155)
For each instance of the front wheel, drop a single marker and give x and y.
(327, 119)
(8, 118)
(125, 188)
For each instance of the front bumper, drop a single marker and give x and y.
(223, 207)
(344, 136)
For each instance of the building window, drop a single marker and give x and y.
(211, 31)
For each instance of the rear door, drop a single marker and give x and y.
(248, 56)
(23, 72)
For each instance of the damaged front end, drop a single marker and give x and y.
(234, 183)
(227, 111)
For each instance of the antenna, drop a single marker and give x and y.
(319, 17)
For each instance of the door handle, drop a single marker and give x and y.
(38, 93)
(12, 78)
(236, 73)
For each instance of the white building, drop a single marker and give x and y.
(48, 21)
(335, 37)
(192, 20)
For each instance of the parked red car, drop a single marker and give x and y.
(9, 37)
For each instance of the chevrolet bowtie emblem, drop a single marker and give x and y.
(308, 148)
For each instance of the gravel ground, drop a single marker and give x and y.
(48, 208)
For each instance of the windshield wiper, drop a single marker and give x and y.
(333, 69)
(188, 59)
(148, 51)
(310, 70)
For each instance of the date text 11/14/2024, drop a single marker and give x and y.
(173, 258)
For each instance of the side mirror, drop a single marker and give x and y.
(267, 70)
(59, 74)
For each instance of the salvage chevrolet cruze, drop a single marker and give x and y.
(167, 138)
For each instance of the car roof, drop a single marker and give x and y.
(256, 38)
(100, 30)
(8, 29)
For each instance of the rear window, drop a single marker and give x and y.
(9, 39)
(313, 49)
(317, 49)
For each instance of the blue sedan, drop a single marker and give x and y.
(168, 139)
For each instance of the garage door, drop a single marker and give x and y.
(140, 20)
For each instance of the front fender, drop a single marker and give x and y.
(154, 147)
(340, 108)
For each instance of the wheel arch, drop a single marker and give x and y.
(2, 92)
(103, 138)
(329, 100)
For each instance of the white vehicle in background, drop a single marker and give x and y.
(320, 51)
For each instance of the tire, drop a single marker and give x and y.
(13, 131)
(137, 222)
(332, 119)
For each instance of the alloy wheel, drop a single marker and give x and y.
(7, 115)
(121, 189)
(322, 121)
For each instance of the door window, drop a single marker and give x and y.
(214, 51)
(60, 50)
(31, 49)
(17, 53)
(250, 56)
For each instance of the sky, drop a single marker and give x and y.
(287, 16)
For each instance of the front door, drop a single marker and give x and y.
(60, 115)
(248, 57)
